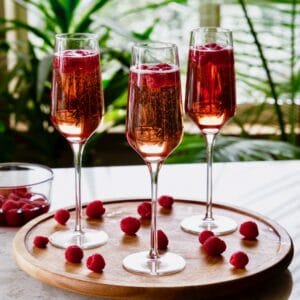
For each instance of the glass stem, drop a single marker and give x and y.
(154, 168)
(210, 140)
(77, 151)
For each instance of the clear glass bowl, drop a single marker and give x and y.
(25, 190)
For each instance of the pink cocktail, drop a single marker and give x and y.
(155, 97)
(210, 102)
(154, 129)
(78, 106)
(210, 99)
(76, 112)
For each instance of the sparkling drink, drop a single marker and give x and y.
(76, 111)
(154, 122)
(210, 102)
(154, 129)
(210, 97)
(78, 108)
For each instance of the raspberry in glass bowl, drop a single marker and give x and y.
(24, 192)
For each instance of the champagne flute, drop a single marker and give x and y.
(154, 129)
(76, 112)
(210, 102)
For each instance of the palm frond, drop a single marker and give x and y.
(229, 149)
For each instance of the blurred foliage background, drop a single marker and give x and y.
(266, 37)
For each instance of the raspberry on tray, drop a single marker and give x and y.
(95, 263)
(166, 201)
(74, 254)
(204, 235)
(130, 225)
(214, 246)
(162, 240)
(239, 259)
(95, 209)
(40, 241)
(144, 210)
(249, 230)
(62, 216)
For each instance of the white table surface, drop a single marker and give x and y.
(270, 188)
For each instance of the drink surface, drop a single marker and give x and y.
(77, 100)
(210, 90)
(154, 113)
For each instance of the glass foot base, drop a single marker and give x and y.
(140, 263)
(89, 238)
(219, 226)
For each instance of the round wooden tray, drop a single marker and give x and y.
(203, 276)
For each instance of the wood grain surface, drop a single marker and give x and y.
(204, 277)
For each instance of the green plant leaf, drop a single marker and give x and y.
(49, 17)
(86, 19)
(19, 24)
(192, 149)
(122, 56)
(147, 32)
(61, 13)
(4, 46)
(69, 8)
(116, 86)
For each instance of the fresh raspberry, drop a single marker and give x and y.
(10, 204)
(162, 240)
(74, 254)
(239, 259)
(166, 201)
(204, 235)
(22, 202)
(62, 216)
(249, 230)
(21, 191)
(130, 225)
(144, 210)
(29, 212)
(14, 217)
(214, 246)
(95, 263)
(28, 206)
(95, 209)
(13, 196)
(40, 241)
